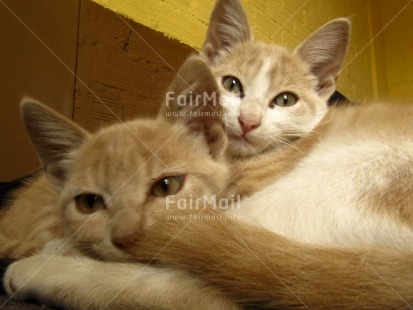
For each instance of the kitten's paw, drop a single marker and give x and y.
(20, 277)
(12, 281)
(4, 264)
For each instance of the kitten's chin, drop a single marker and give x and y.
(239, 147)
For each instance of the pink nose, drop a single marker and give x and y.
(126, 242)
(248, 123)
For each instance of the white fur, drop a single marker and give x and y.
(260, 86)
(72, 281)
(321, 200)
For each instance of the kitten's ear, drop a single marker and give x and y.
(193, 100)
(53, 136)
(228, 25)
(324, 52)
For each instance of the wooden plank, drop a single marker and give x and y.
(37, 59)
(123, 67)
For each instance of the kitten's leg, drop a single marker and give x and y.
(83, 283)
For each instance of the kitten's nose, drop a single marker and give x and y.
(126, 242)
(248, 123)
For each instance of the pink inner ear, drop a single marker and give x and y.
(324, 52)
(207, 52)
(228, 25)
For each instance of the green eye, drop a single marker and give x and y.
(89, 203)
(233, 85)
(284, 100)
(167, 186)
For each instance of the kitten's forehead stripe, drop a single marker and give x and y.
(260, 81)
(265, 69)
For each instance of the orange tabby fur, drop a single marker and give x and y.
(24, 230)
(262, 270)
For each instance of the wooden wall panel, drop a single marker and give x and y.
(38, 59)
(87, 62)
(123, 67)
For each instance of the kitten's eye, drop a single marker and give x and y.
(284, 100)
(167, 186)
(233, 85)
(89, 203)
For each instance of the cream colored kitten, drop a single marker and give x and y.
(108, 185)
(271, 96)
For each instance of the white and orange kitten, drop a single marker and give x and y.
(344, 182)
(270, 95)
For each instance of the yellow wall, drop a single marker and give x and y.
(398, 48)
(287, 22)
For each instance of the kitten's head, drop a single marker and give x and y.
(271, 95)
(118, 181)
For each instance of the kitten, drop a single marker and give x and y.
(109, 184)
(271, 96)
(343, 180)
(113, 196)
